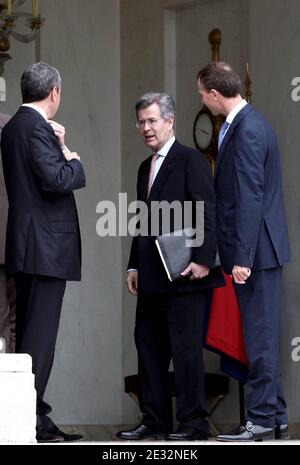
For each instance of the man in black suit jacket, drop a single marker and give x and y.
(43, 247)
(169, 318)
(253, 241)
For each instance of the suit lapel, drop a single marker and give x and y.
(144, 176)
(244, 111)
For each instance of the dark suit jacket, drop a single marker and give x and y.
(251, 223)
(42, 230)
(183, 176)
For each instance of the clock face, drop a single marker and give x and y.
(203, 131)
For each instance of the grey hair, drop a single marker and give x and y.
(37, 82)
(165, 102)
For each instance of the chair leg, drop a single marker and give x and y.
(213, 430)
(213, 404)
(134, 396)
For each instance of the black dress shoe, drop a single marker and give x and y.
(248, 432)
(66, 437)
(186, 433)
(282, 432)
(142, 432)
(44, 436)
(46, 426)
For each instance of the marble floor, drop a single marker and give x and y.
(107, 433)
(96, 433)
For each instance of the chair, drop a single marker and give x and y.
(216, 388)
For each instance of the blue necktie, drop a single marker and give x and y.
(222, 133)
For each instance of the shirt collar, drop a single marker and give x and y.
(36, 108)
(165, 149)
(235, 111)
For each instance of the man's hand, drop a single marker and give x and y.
(198, 271)
(132, 282)
(71, 155)
(240, 274)
(59, 131)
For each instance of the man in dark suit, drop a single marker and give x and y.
(43, 247)
(169, 317)
(253, 242)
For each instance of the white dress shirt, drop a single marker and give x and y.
(234, 112)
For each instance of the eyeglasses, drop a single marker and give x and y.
(151, 122)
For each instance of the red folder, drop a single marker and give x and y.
(225, 328)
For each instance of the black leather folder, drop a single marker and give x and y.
(176, 252)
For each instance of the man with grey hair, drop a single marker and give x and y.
(170, 315)
(43, 248)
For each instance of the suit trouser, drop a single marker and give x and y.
(259, 305)
(39, 302)
(7, 310)
(171, 327)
